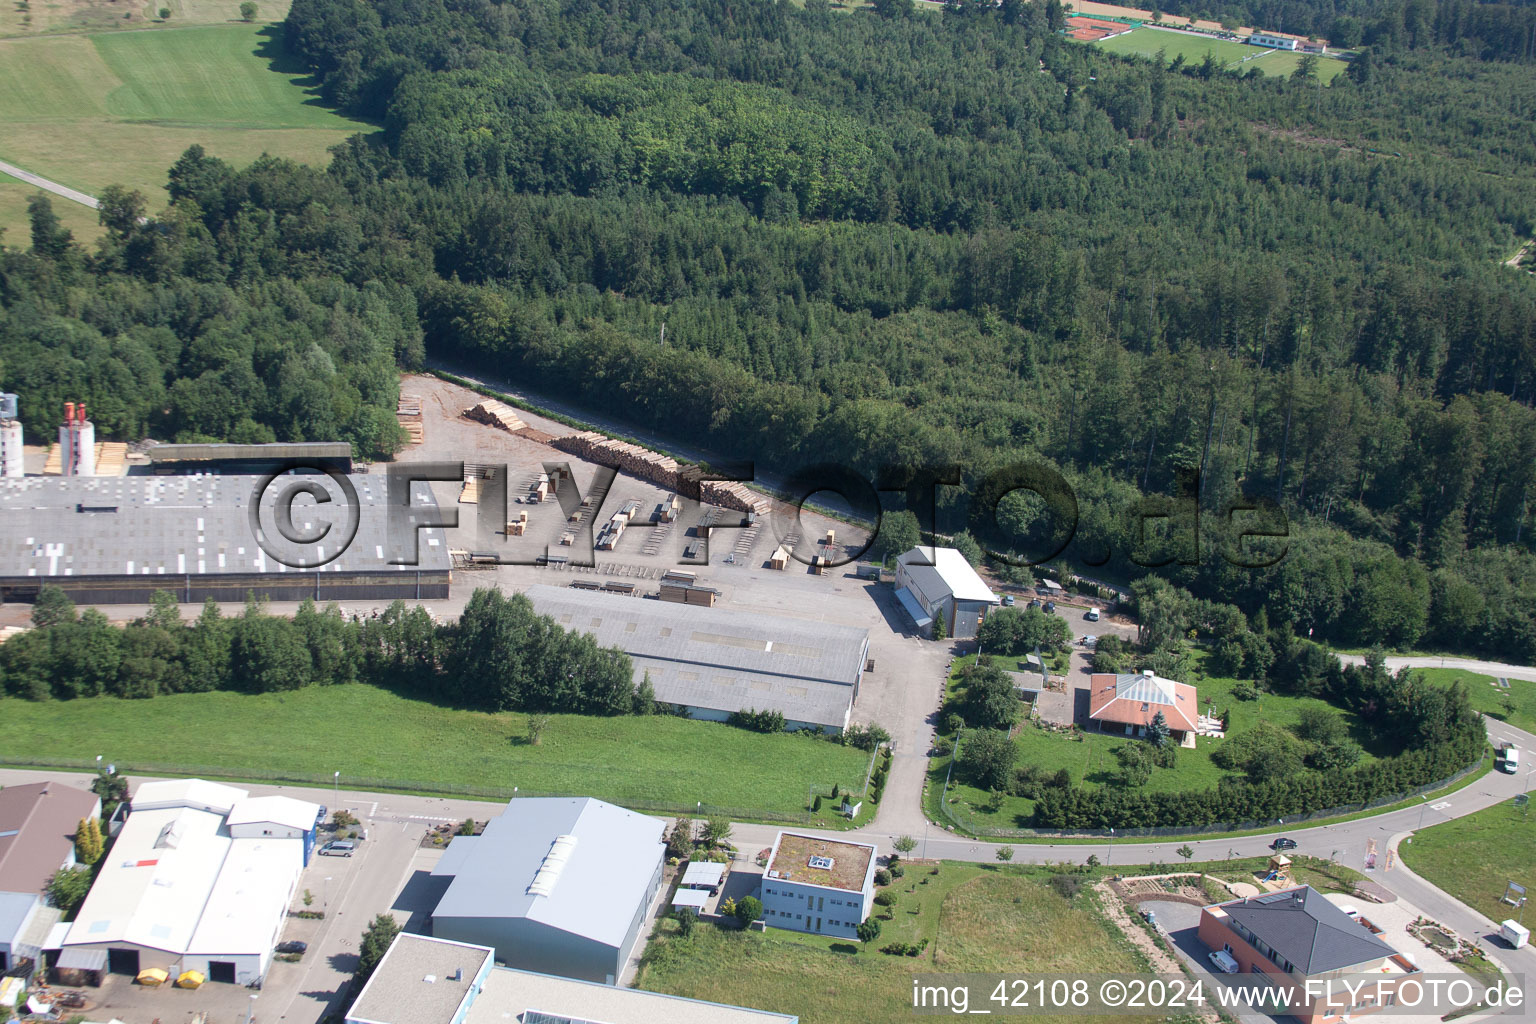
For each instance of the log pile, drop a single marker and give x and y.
(656, 468)
(495, 414)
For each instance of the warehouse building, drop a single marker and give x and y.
(939, 584)
(423, 980)
(557, 885)
(199, 880)
(712, 662)
(114, 540)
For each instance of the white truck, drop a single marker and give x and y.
(1509, 759)
(1515, 934)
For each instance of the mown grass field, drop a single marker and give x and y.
(976, 918)
(1148, 42)
(1490, 698)
(1090, 756)
(44, 17)
(119, 108)
(368, 733)
(1473, 857)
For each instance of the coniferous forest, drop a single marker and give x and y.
(888, 238)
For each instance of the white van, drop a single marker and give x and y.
(1511, 756)
(1223, 962)
(1092, 615)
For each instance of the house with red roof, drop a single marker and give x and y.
(1128, 703)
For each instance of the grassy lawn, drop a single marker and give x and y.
(976, 918)
(373, 736)
(1473, 857)
(1147, 42)
(119, 108)
(1090, 756)
(1488, 697)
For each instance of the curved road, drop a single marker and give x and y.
(48, 186)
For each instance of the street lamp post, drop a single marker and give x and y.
(336, 798)
(1110, 856)
(250, 1010)
(1423, 805)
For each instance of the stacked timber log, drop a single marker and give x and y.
(408, 415)
(658, 469)
(496, 414)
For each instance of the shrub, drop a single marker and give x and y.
(1004, 854)
(953, 723)
(1243, 691)
(882, 876)
(885, 898)
(897, 870)
(869, 931)
(816, 805)
(758, 721)
(248, 10)
(685, 920)
(1066, 885)
(748, 910)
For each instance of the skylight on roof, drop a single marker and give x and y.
(822, 862)
(553, 864)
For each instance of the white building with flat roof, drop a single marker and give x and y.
(823, 886)
(182, 890)
(424, 980)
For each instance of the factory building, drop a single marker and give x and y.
(198, 880)
(557, 885)
(113, 540)
(938, 583)
(713, 662)
(423, 980)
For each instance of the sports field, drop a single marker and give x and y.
(119, 108)
(1147, 42)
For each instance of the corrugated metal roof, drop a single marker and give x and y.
(602, 883)
(41, 819)
(176, 525)
(949, 569)
(719, 659)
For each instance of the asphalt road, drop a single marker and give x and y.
(48, 186)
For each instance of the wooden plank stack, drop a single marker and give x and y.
(408, 415)
(495, 414)
(657, 468)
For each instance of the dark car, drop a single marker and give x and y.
(1050, 606)
(1034, 602)
(1283, 844)
(292, 947)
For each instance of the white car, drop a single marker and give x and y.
(1089, 641)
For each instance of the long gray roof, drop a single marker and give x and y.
(1313, 934)
(720, 659)
(594, 884)
(176, 525)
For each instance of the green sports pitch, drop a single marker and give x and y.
(1148, 42)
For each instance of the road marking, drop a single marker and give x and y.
(1442, 805)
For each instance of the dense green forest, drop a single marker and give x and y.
(889, 239)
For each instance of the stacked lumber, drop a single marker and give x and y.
(408, 415)
(495, 414)
(111, 459)
(657, 468)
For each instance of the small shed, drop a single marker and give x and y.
(693, 899)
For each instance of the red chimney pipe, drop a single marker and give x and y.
(69, 412)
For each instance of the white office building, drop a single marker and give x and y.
(824, 886)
